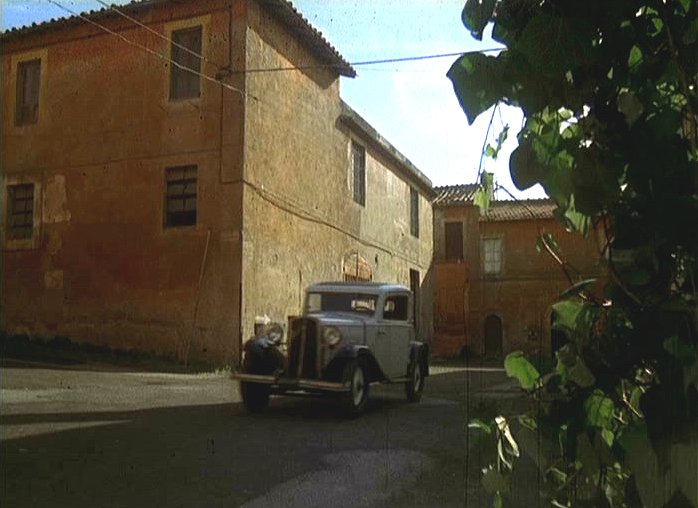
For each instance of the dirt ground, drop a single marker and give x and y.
(110, 437)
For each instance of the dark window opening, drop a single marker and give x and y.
(414, 213)
(28, 85)
(180, 197)
(358, 157)
(185, 84)
(20, 214)
(396, 308)
(453, 233)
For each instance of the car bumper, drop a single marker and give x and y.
(292, 383)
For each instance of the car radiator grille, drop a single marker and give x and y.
(302, 358)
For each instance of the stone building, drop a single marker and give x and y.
(164, 182)
(494, 290)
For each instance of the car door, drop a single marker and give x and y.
(395, 334)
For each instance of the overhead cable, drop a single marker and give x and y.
(152, 52)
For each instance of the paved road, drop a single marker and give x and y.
(89, 438)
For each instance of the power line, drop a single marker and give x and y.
(152, 52)
(258, 70)
(369, 62)
(156, 33)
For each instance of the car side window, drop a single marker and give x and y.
(396, 308)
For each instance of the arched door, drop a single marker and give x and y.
(493, 336)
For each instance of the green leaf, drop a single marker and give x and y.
(524, 167)
(580, 374)
(635, 57)
(497, 503)
(577, 288)
(608, 436)
(491, 152)
(476, 80)
(684, 352)
(630, 106)
(494, 481)
(476, 423)
(517, 366)
(476, 14)
(599, 410)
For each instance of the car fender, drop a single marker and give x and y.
(419, 351)
(262, 356)
(334, 369)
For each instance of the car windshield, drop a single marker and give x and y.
(342, 302)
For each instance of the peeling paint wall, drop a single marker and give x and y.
(300, 217)
(102, 268)
(521, 295)
(275, 210)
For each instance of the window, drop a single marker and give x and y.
(180, 196)
(358, 158)
(453, 233)
(185, 84)
(414, 212)
(396, 308)
(342, 302)
(492, 248)
(20, 213)
(28, 84)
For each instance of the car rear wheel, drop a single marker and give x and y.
(356, 398)
(255, 396)
(415, 386)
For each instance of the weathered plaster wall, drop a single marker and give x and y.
(103, 269)
(300, 218)
(521, 295)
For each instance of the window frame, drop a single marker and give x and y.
(22, 117)
(358, 172)
(414, 212)
(499, 256)
(29, 242)
(460, 250)
(186, 59)
(169, 224)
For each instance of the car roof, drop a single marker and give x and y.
(357, 287)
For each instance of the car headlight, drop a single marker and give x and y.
(331, 336)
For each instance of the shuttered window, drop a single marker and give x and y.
(358, 157)
(185, 84)
(453, 232)
(20, 213)
(180, 197)
(414, 212)
(492, 250)
(28, 84)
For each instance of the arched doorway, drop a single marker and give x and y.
(493, 336)
(356, 268)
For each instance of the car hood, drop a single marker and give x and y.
(340, 319)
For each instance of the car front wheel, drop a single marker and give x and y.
(356, 398)
(415, 386)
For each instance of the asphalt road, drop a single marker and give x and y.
(105, 438)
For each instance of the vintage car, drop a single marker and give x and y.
(350, 335)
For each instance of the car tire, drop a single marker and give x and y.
(354, 401)
(415, 385)
(255, 396)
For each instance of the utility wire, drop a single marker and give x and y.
(152, 52)
(259, 70)
(156, 33)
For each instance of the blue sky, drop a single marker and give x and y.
(412, 104)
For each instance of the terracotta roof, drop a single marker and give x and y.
(282, 9)
(454, 195)
(520, 210)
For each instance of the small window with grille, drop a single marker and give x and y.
(20, 213)
(180, 196)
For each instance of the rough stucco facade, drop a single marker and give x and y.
(274, 207)
(494, 313)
